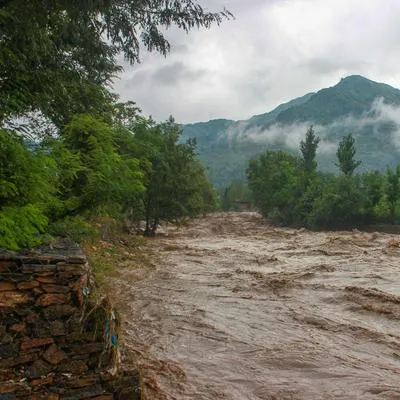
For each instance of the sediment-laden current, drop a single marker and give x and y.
(236, 309)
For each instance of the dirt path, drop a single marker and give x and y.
(236, 309)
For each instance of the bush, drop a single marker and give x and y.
(22, 227)
(75, 228)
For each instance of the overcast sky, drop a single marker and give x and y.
(274, 51)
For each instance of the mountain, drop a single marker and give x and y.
(367, 109)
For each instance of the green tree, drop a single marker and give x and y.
(27, 190)
(339, 205)
(98, 180)
(273, 181)
(308, 149)
(392, 191)
(345, 154)
(59, 56)
(372, 187)
(174, 180)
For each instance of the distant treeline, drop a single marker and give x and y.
(290, 190)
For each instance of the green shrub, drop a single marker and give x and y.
(74, 227)
(22, 226)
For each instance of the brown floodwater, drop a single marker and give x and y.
(236, 309)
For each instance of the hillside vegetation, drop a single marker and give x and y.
(356, 105)
(71, 154)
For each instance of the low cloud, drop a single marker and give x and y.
(379, 116)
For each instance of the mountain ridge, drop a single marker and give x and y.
(355, 104)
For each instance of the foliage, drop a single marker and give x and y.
(236, 192)
(308, 149)
(299, 196)
(339, 204)
(226, 146)
(90, 155)
(97, 169)
(26, 192)
(25, 176)
(22, 226)
(175, 182)
(103, 181)
(74, 227)
(60, 56)
(392, 191)
(345, 154)
(272, 180)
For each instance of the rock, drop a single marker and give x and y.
(50, 288)
(6, 388)
(37, 291)
(78, 394)
(12, 299)
(8, 350)
(32, 318)
(5, 337)
(46, 279)
(54, 355)
(46, 351)
(49, 396)
(6, 286)
(128, 393)
(59, 311)
(7, 396)
(28, 344)
(73, 366)
(57, 328)
(71, 268)
(7, 265)
(13, 362)
(28, 285)
(32, 268)
(7, 375)
(18, 328)
(82, 382)
(52, 298)
(38, 369)
(125, 388)
(87, 348)
(42, 381)
(77, 259)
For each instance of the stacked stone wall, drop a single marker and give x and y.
(58, 335)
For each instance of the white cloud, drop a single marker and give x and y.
(290, 135)
(272, 52)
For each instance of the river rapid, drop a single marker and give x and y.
(233, 308)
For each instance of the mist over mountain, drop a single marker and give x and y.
(367, 109)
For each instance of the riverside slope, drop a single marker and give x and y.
(236, 309)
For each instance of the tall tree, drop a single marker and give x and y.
(308, 149)
(59, 56)
(175, 182)
(27, 190)
(392, 191)
(345, 154)
(272, 179)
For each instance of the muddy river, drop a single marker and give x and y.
(235, 309)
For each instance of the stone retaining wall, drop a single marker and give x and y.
(58, 336)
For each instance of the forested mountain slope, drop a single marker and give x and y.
(367, 109)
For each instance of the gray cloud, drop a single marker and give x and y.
(290, 135)
(272, 52)
(176, 72)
